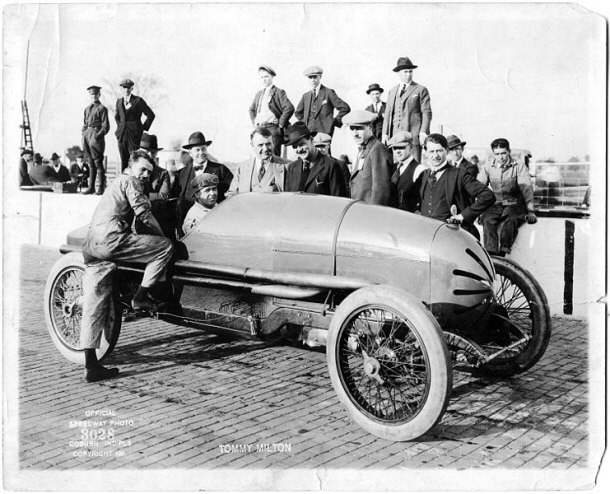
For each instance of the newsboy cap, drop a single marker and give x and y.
(404, 63)
(96, 89)
(204, 180)
(321, 139)
(374, 87)
(359, 117)
(126, 83)
(400, 139)
(313, 70)
(454, 141)
(268, 69)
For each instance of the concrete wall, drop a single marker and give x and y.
(45, 218)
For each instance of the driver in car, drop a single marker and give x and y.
(110, 238)
(206, 195)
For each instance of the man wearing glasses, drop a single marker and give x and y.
(317, 107)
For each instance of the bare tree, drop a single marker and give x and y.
(149, 87)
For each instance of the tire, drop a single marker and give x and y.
(406, 351)
(63, 297)
(519, 298)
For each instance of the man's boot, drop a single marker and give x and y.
(142, 302)
(94, 371)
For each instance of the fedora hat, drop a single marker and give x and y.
(374, 87)
(454, 141)
(149, 142)
(404, 63)
(54, 156)
(196, 139)
(296, 132)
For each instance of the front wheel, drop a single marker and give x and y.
(63, 310)
(389, 363)
(521, 311)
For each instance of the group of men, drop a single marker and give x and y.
(387, 171)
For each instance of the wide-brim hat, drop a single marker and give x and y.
(54, 156)
(149, 142)
(196, 139)
(126, 83)
(296, 132)
(374, 87)
(454, 141)
(404, 63)
(359, 117)
(268, 69)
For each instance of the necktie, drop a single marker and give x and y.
(403, 89)
(396, 175)
(261, 172)
(433, 173)
(304, 176)
(315, 93)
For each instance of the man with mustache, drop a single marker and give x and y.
(446, 188)
(313, 172)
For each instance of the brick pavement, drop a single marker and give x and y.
(195, 400)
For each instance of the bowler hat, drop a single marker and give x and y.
(126, 83)
(196, 139)
(454, 141)
(404, 63)
(94, 88)
(313, 70)
(359, 117)
(268, 69)
(374, 87)
(400, 139)
(321, 139)
(297, 131)
(204, 180)
(149, 142)
(54, 156)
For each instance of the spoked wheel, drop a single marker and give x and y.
(64, 309)
(389, 363)
(520, 322)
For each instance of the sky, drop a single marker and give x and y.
(533, 73)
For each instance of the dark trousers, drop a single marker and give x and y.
(93, 148)
(276, 134)
(128, 143)
(502, 222)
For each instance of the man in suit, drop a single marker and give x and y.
(271, 108)
(79, 171)
(370, 179)
(312, 172)
(408, 108)
(41, 172)
(377, 107)
(60, 172)
(317, 106)
(197, 146)
(406, 179)
(322, 143)
(128, 117)
(263, 172)
(95, 127)
(26, 162)
(511, 183)
(445, 188)
(456, 156)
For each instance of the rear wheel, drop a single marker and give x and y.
(389, 363)
(520, 311)
(64, 309)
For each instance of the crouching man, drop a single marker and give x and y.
(206, 195)
(110, 238)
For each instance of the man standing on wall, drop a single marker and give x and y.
(95, 127)
(128, 117)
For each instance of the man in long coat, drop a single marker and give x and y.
(128, 117)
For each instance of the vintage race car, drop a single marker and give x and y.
(394, 297)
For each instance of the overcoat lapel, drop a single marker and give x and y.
(409, 90)
(315, 170)
(450, 184)
(307, 102)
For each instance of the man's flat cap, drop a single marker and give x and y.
(94, 88)
(400, 139)
(268, 69)
(321, 138)
(126, 83)
(313, 70)
(359, 117)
